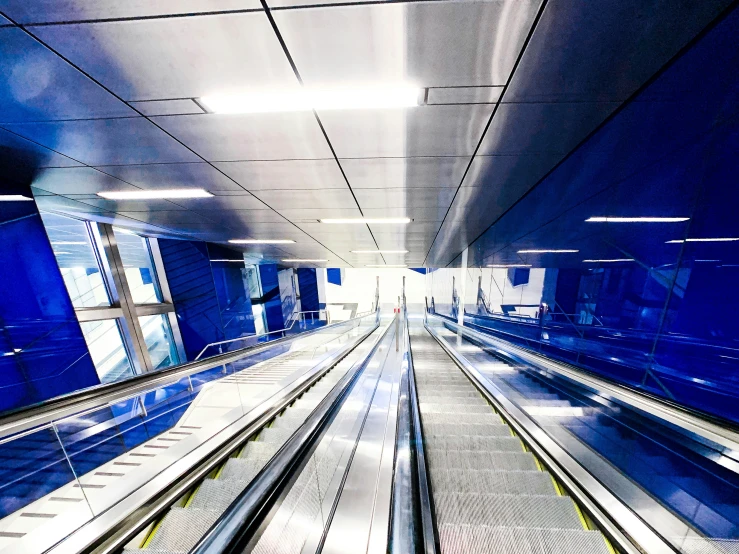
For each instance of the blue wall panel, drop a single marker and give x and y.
(333, 275)
(43, 353)
(308, 285)
(271, 297)
(232, 292)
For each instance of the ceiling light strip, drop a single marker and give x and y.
(608, 261)
(548, 251)
(508, 265)
(723, 239)
(261, 241)
(367, 220)
(647, 219)
(160, 194)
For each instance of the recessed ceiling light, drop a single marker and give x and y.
(68, 243)
(509, 265)
(608, 261)
(238, 261)
(261, 241)
(561, 251)
(300, 260)
(307, 98)
(367, 220)
(609, 219)
(387, 265)
(160, 194)
(14, 198)
(379, 251)
(680, 241)
(707, 261)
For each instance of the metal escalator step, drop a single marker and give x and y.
(430, 408)
(239, 469)
(473, 442)
(469, 539)
(182, 528)
(147, 551)
(452, 429)
(497, 482)
(469, 459)
(456, 400)
(217, 494)
(432, 396)
(259, 450)
(461, 419)
(275, 435)
(507, 510)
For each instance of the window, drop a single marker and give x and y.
(158, 338)
(70, 240)
(106, 349)
(138, 266)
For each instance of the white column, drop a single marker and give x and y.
(462, 287)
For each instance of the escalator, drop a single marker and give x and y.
(490, 494)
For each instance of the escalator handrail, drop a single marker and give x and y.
(31, 417)
(233, 529)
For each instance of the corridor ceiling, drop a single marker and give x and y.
(105, 95)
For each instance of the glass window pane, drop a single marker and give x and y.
(159, 342)
(77, 262)
(106, 348)
(139, 269)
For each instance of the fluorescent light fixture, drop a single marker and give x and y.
(554, 251)
(57, 253)
(680, 241)
(379, 251)
(387, 265)
(609, 219)
(14, 198)
(300, 260)
(608, 261)
(68, 243)
(367, 220)
(714, 261)
(307, 98)
(509, 265)
(238, 261)
(261, 241)
(159, 194)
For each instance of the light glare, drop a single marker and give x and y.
(261, 241)
(609, 219)
(378, 96)
(161, 194)
(561, 251)
(608, 261)
(14, 198)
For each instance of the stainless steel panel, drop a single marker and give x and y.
(410, 41)
(74, 10)
(42, 157)
(68, 205)
(285, 174)
(39, 86)
(77, 181)
(243, 201)
(174, 175)
(417, 214)
(378, 173)
(107, 141)
(134, 205)
(294, 199)
(157, 59)
(238, 218)
(419, 131)
(542, 128)
(275, 136)
(463, 95)
(401, 197)
(167, 107)
(313, 215)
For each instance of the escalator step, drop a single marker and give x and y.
(431, 408)
(469, 459)
(472, 442)
(239, 469)
(181, 529)
(461, 419)
(507, 510)
(275, 435)
(469, 539)
(217, 494)
(431, 430)
(496, 482)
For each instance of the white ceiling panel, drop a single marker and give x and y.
(309, 199)
(157, 59)
(243, 201)
(107, 141)
(432, 43)
(78, 180)
(239, 218)
(401, 197)
(313, 215)
(174, 175)
(133, 205)
(44, 11)
(421, 131)
(463, 95)
(37, 85)
(415, 213)
(274, 136)
(285, 174)
(182, 106)
(41, 156)
(378, 173)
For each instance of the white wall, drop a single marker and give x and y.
(358, 286)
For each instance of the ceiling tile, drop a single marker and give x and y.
(378, 173)
(78, 180)
(401, 197)
(37, 155)
(421, 131)
(313, 215)
(285, 174)
(37, 85)
(463, 95)
(174, 175)
(274, 136)
(133, 205)
(107, 141)
(431, 43)
(46, 11)
(309, 199)
(157, 59)
(218, 203)
(168, 107)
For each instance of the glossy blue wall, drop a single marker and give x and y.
(665, 318)
(232, 292)
(42, 351)
(308, 285)
(271, 296)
